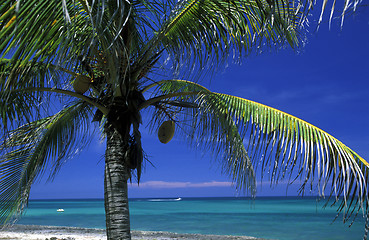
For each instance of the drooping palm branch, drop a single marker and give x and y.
(30, 85)
(286, 146)
(206, 32)
(27, 151)
(204, 121)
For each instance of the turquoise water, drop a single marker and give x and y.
(274, 217)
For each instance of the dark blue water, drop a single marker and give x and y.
(274, 217)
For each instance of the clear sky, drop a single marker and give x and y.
(325, 83)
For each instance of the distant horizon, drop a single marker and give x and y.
(245, 197)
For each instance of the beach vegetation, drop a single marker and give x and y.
(68, 67)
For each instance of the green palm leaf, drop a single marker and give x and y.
(14, 75)
(322, 159)
(223, 23)
(208, 31)
(28, 89)
(59, 32)
(37, 29)
(205, 122)
(18, 106)
(280, 140)
(27, 151)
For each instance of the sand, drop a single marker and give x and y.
(33, 232)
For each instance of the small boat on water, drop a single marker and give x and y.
(60, 210)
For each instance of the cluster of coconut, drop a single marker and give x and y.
(166, 131)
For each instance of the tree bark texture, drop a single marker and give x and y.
(116, 189)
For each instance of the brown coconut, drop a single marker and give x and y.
(166, 131)
(81, 84)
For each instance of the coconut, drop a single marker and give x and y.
(166, 131)
(81, 84)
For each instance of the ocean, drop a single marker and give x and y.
(284, 218)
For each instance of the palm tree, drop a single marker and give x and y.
(66, 63)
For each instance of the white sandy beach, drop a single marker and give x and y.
(34, 232)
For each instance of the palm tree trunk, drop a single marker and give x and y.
(115, 187)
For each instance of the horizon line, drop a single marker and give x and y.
(193, 197)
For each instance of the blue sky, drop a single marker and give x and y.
(325, 83)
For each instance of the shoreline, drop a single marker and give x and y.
(36, 232)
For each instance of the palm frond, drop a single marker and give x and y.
(21, 106)
(284, 141)
(18, 109)
(29, 74)
(208, 31)
(287, 146)
(28, 89)
(34, 29)
(30, 148)
(67, 33)
(205, 122)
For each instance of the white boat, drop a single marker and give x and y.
(60, 210)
